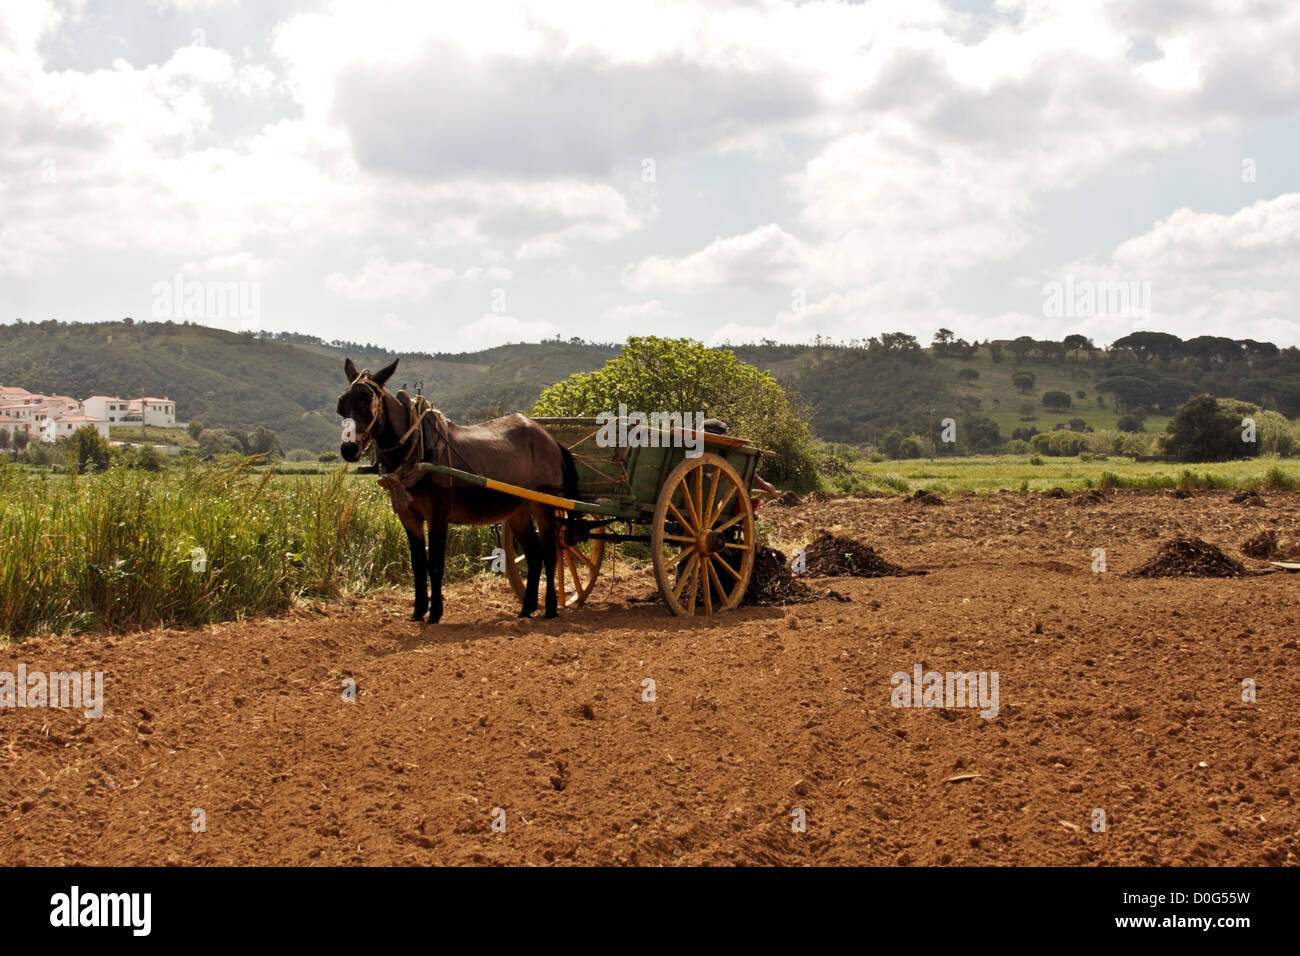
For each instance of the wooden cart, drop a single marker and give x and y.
(694, 512)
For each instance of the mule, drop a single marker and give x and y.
(513, 449)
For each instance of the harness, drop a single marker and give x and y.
(428, 427)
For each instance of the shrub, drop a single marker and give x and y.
(1206, 428)
(87, 449)
(147, 458)
(1057, 401)
(1275, 479)
(891, 443)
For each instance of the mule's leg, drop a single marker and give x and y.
(420, 570)
(437, 560)
(521, 526)
(546, 533)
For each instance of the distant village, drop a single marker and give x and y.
(49, 418)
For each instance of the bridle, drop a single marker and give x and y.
(364, 436)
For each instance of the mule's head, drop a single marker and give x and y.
(361, 407)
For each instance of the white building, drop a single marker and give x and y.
(108, 407)
(34, 414)
(52, 429)
(154, 411)
(51, 417)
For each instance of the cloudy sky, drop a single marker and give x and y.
(444, 176)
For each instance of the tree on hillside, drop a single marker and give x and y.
(682, 375)
(899, 342)
(4, 439)
(194, 429)
(1207, 349)
(1078, 343)
(968, 376)
(1147, 345)
(1057, 401)
(1130, 423)
(1257, 350)
(1023, 381)
(1021, 346)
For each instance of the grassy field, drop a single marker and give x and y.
(1017, 472)
(153, 435)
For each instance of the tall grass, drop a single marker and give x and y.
(194, 544)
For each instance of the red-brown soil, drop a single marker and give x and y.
(1116, 693)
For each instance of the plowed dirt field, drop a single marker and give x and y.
(1123, 695)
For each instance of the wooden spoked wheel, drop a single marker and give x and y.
(702, 537)
(576, 566)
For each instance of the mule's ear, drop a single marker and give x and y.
(385, 373)
(350, 370)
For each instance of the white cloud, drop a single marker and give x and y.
(488, 274)
(380, 279)
(1209, 273)
(492, 328)
(892, 151)
(767, 254)
(651, 311)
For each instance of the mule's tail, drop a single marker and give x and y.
(570, 471)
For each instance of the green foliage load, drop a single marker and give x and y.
(670, 375)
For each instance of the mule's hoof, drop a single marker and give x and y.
(526, 613)
(550, 614)
(416, 617)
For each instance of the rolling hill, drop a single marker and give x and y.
(231, 380)
(289, 382)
